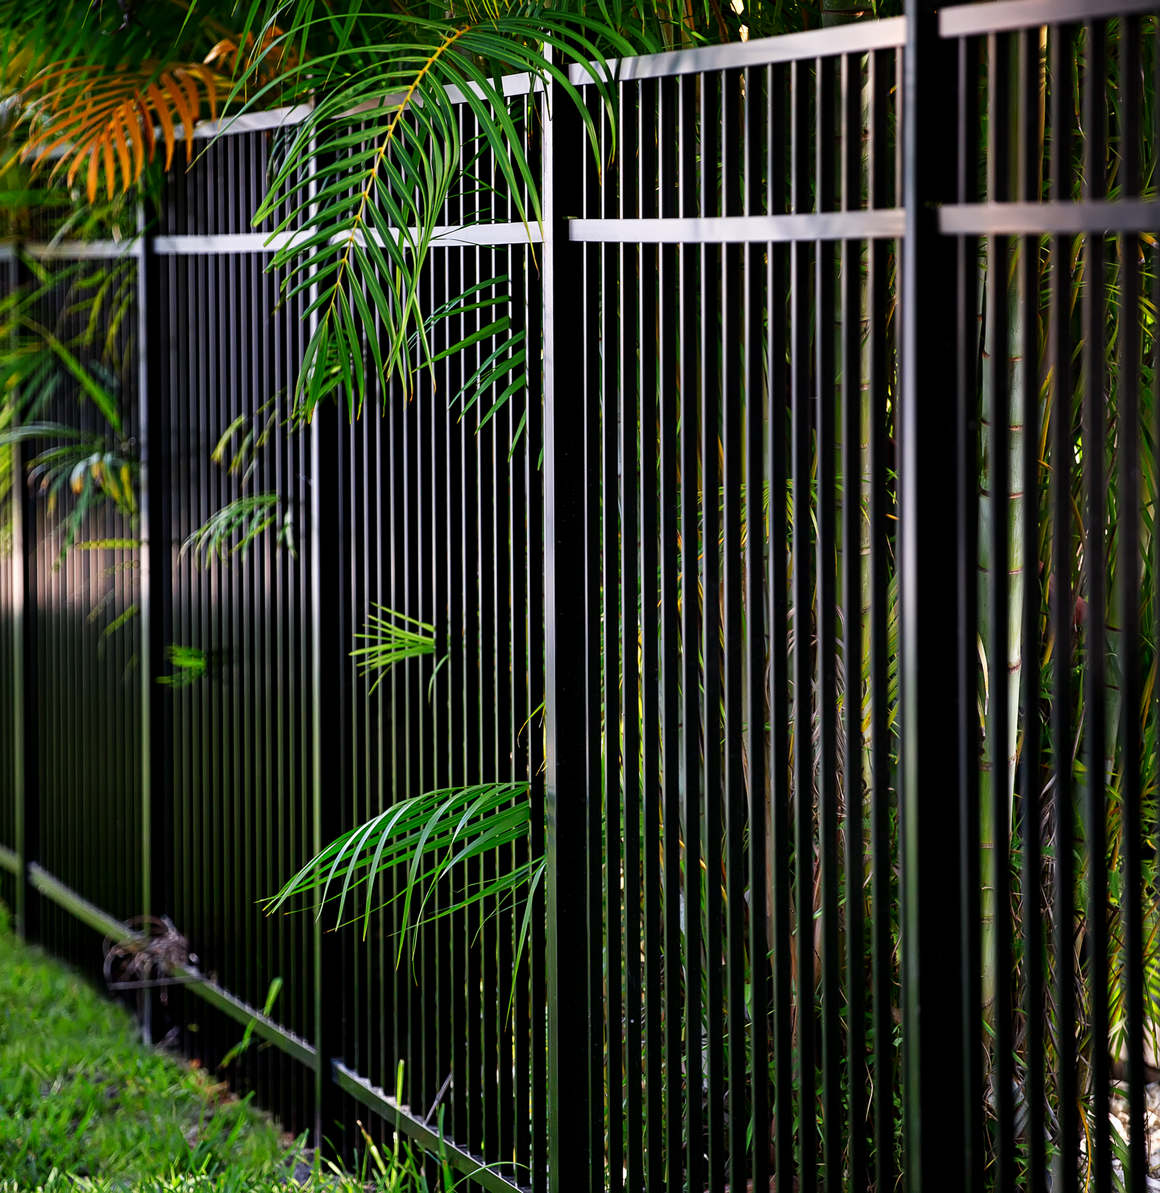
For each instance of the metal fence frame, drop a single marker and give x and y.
(937, 223)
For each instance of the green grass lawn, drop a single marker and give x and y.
(80, 1095)
(84, 1105)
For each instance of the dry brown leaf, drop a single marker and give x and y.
(274, 59)
(94, 120)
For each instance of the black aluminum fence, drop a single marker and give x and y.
(809, 586)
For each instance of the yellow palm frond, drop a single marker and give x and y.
(272, 56)
(85, 118)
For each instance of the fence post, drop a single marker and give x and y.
(931, 623)
(156, 587)
(26, 777)
(328, 723)
(327, 570)
(155, 594)
(566, 486)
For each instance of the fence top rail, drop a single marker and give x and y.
(861, 37)
(1008, 16)
(247, 122)
(295, 114)
(858, 38)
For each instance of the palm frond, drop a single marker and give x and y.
(506, 359)
(189, 665)
(84, 117)
(390, 641)
(82, 463)
(429, 837)
(362, 194)
(231, 529)
(237, 450)
(39, 358)
(89, 385)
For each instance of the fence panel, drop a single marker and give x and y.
(437, 497)
(237, 631)
(1057, 153)
(81, 604)
(739, 376)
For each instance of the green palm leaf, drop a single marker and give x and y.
(231, 529)
(362, 183)
(391, 638)
(427, 838)
(78, 463)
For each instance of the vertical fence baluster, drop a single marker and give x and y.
(648, 263)
(1128, 525)
(966, 532)
(1061, 604)
(878, 506)
(853, 427)
(998, 731)
(622, 386)
(802, 679)
(826, 614)
(779, 856)
(1095, 431)
(733, 504)
(755, 298)
(611, 531)
(668, 136)
(690, 638)
(710, 302)
(1031, 775)
(594, 712)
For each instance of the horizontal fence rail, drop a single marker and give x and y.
(777, 515)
